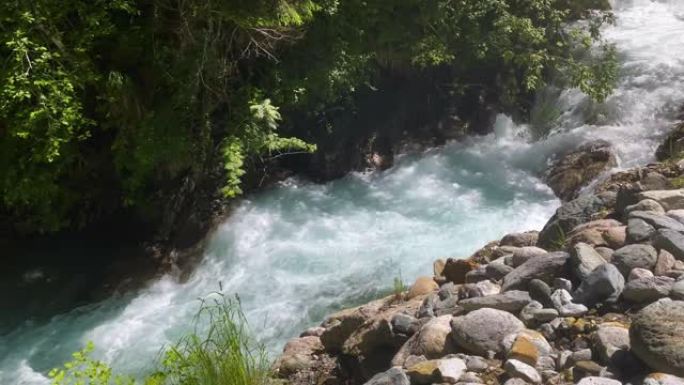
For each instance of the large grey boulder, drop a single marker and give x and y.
(523, 254)
(605, 284)
(584, 260)
(656, 336)
(394, 376)
(511, 301)
(659, 221)
(648, 289)
(528, 238)
(671, 241)
(631, 256)
(483, 330)
(545, 267)
(638, 230)
(571, 214)
(669, 199)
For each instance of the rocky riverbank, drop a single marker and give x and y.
(596, 297)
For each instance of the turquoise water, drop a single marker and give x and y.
(299, 251)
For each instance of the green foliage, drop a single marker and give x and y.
(398, 286)
(219, 352)
(108, 104)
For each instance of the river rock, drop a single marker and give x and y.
(422, 286)
(571, 214)
(298, 355)
(604, 284)
(593, 380)
(638, 273)
(670, 240)
(483, 330)
(645, 205)
(425, 372)
(523, 254)
(541, 292)
(579, 167)
(527, 346)
(665, 262)
(656, 336)
(496, 271)
(431, 341)
(339, 326)
(631, 256)
(511, 301)
(544, 267)
(659, 221)
(451, 369)
(584, 260)
(519, 369)
(404, 324)
(638, 230)
(479, 289)
(455, 270)
(606, 252)
(677, 215)
(393, 376)
(649, 289)
(528, 238)
(562, 301)
(669, 199)
(677, 291)
(609, 339)
(663, 379)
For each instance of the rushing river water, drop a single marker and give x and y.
(300, 250)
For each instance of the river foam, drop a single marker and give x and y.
(299, 251)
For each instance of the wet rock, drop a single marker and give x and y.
(577, 168)
(656, 336)
(673, 146)
(649, 289)
(669, 199)
(422, 286)
(638, 230)
(586, 369)
(394, 376)
(528, 238)
(605, 284)
(511, 301)
(609, 339)
(519, 369)
(562, 301)
(645, 205)
(545, 267)
(584, 260)
(631, 256)
(659, 221)
(671, 241)
(483, 330)
(455, 270)
(477, 275)
(638, 273)
(593, 380)
(663, 379)
(665, 262)
(571, 214)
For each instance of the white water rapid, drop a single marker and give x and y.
(299, 251)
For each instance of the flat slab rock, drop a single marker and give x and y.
(544, 267)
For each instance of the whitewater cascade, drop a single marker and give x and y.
(299, 251)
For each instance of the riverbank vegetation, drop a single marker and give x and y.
(220, 351)
(127, 105)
